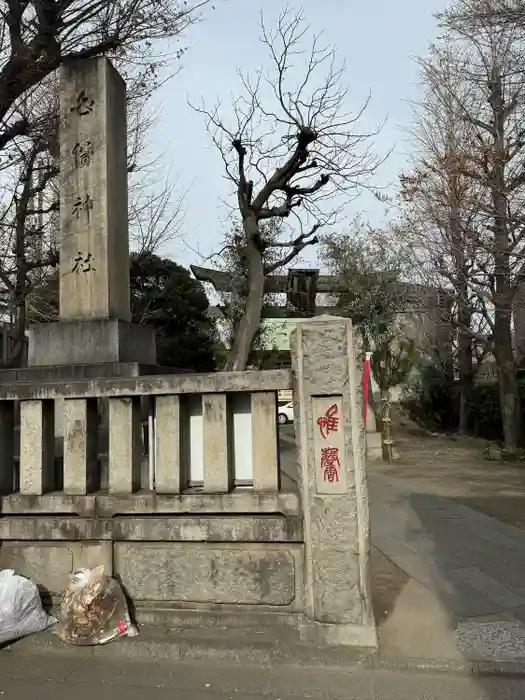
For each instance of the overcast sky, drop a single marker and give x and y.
(377, 38)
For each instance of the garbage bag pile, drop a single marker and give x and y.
(94, 610)
(21, 611)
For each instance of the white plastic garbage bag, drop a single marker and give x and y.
(21, 611)
(94, 609)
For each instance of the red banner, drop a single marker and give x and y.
(366, 382)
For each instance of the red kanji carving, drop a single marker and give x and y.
(330, 463)
(329, 423)
(330, 457)
(331, 474)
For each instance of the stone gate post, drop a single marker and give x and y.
(332, 476)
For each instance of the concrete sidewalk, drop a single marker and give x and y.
(465, 597)
(81, 679)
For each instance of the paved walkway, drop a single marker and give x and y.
(467, 570)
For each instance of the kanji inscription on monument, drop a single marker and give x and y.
(83, 262)
(330, 458)
(83, 104)
(83, 154)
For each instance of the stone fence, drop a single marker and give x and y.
(203, 524)
(211, 432)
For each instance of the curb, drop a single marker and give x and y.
(468, 667)
(164, 647)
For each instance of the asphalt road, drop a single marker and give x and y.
(55, 678)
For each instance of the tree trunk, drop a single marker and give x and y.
(465, 401)
(464, 315)
(503, 348)
(465, 368)
(386, 421)
(251, 319)
(507, 374)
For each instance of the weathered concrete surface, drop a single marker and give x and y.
(93, 193)
(37, 447)
(49, 565)
(336, 515)
(242, 528)
(194, 666)
(105, 505)
(92, 341)
(265, 448)
(168, 474)
(62, 373)
(217, 468)
(216, 382)
(81, 469)
(124, 445)
(94, 242)
(374, 446)
(36, 678)
(210, 573)
(163, 555)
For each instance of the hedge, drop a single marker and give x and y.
(436, 404)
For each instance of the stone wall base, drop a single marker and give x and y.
(159, 576)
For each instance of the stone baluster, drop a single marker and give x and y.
(125, 445)
(216, 462)
(168, 445)
(265, 442)
(81, 470)
(37, 447)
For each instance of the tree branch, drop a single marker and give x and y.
(297, 245)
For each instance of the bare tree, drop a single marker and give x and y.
(36, 36)
(443, 210)
(490, 59)
(156, 210)
(498, 13)
(292, 152)
(29, 211)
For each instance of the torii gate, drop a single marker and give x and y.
(303, 285)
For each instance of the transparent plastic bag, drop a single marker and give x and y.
(94, 610)
(21, 611)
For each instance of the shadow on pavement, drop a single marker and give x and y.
(509, 508)
(469, 564)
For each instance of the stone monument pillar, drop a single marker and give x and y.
(94, 324)
(332, 475)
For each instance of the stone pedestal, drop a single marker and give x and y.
(332, 471)
(90, 342)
